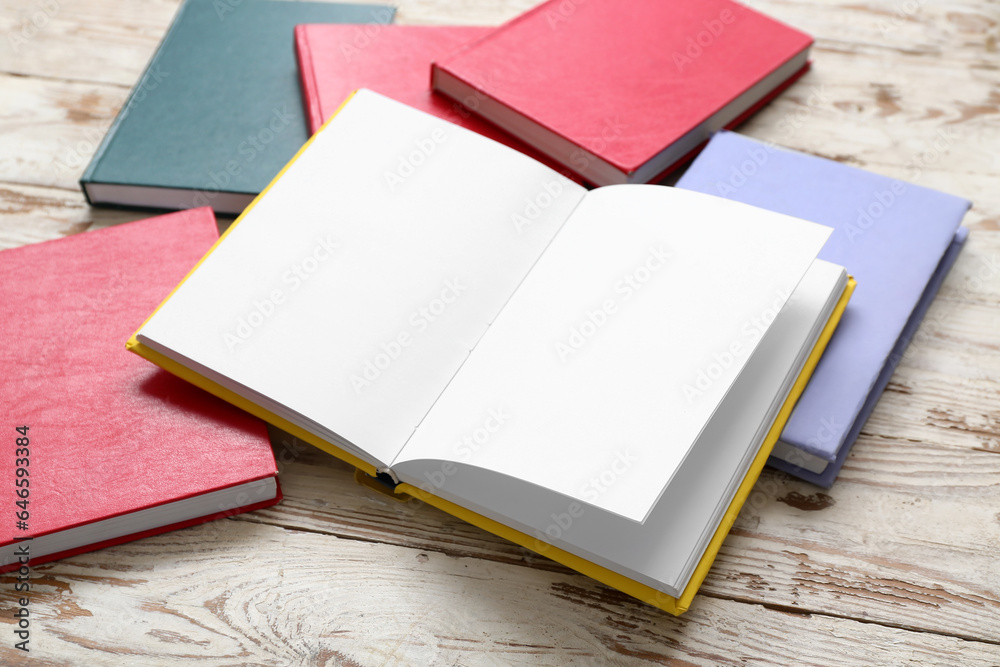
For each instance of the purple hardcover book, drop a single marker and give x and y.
(897, 239)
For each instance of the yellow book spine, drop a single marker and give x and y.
(668, 603)
(225, 394)
(640, 591)
(133, 345)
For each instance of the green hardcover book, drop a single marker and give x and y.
(218, 111)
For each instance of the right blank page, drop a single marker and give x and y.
(609, 360)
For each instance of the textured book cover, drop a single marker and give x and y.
(334, 61)
(96, 432)
(621, 90)
(899, 240)
(217, 113)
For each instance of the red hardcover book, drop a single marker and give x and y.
(99, 446)
(394, 60)
(622, 91)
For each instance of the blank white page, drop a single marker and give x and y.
(584, 383)
(663, 551)
(365, 274)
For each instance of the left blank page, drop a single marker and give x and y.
(348, 296)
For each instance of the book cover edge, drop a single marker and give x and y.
(307, 77)
(670, 604)
(648, 594)
(228, 395)
(736, 122)
(87, 176)
(149, 532)
(826, 478)
(624, 169)
(133, 342)
(133, 345)
(701, 571)
(506, 25)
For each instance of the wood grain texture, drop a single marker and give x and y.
(883, 534)
(897, 564)
(31, 214)
(274, 596)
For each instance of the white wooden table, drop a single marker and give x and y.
(898, 564)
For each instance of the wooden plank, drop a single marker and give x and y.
(962, 31)
(110, 42)
(99, 41)
(907, 537)
(944, 390)
(921, 122)
(104, 41)
(891, 116)
(908, 526)
(31, 214)
(322, 496)
(461, 12)
(49, 129)
(904, 543)
(246, 593)
(95, 41)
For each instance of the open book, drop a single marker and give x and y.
(592, 374)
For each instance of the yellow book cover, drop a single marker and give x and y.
(418, 221)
